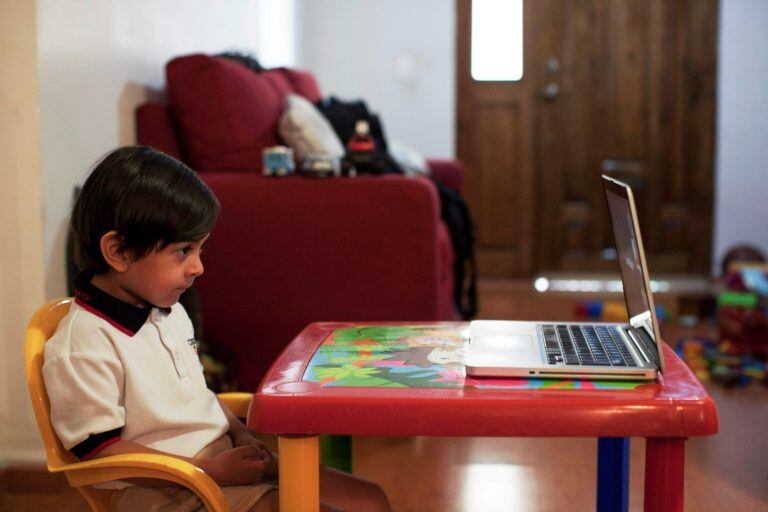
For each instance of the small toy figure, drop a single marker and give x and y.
(361, 149)
(277, 161)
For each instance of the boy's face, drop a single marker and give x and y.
(164, 274)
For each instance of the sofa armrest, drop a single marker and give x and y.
(448, 171)
(154, 127)
(290, 251)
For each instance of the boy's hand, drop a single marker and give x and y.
(246, 438)
(239, 466)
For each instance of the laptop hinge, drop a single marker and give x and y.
(639, 342)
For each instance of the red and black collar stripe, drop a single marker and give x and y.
(125, 317)
(95, 443)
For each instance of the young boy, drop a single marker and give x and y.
(121, 371)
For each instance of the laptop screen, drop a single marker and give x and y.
(628, 255)
(632, 265)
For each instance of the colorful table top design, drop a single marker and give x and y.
(415, 356)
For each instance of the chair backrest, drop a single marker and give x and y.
(41, 327)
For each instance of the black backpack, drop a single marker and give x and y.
(455, 214)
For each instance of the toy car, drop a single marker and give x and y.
(320, 166)
(277, 161)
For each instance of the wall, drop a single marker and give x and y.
(21, 262)
(742, 127)
(398, 55)
(92, 63)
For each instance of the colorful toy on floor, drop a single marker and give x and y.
(706, 359)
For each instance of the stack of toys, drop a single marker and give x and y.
(738, 357)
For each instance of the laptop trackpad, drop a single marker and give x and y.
(516, 349)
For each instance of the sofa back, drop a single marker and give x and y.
(224, 114)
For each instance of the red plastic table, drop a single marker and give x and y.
(665, 412)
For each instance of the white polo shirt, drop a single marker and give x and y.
(116, 371)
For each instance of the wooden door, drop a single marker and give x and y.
(622, 87)
(495, 141)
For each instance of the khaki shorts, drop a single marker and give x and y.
(165, 499)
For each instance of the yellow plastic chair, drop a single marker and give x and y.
(82, 475)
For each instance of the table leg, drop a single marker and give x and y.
(664, 473)
(613, 474)
(299, 473)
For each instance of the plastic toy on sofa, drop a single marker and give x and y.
(277, 161)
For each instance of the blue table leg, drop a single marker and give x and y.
(613, 474)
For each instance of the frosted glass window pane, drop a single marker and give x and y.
(497, 40)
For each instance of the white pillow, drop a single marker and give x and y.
(307, 131)
(408, 158)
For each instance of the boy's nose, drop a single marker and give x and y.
(197, 267)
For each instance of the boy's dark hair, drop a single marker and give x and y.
(150, 199)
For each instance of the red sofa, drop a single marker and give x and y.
(290, 251)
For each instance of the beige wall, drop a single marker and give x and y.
(21, 262)
(72, 72)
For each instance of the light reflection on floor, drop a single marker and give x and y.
(497, 487)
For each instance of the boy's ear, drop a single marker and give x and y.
(113, 253)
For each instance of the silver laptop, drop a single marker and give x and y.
(573, 350)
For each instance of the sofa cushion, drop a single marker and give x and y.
(279, 82)
(303, 82)
(226, 113)
(290, 251)
(154, 127)
(307, 131)
(449, 172)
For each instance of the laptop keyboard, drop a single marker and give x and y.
(585, 345)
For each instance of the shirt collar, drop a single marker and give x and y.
(125, 317)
